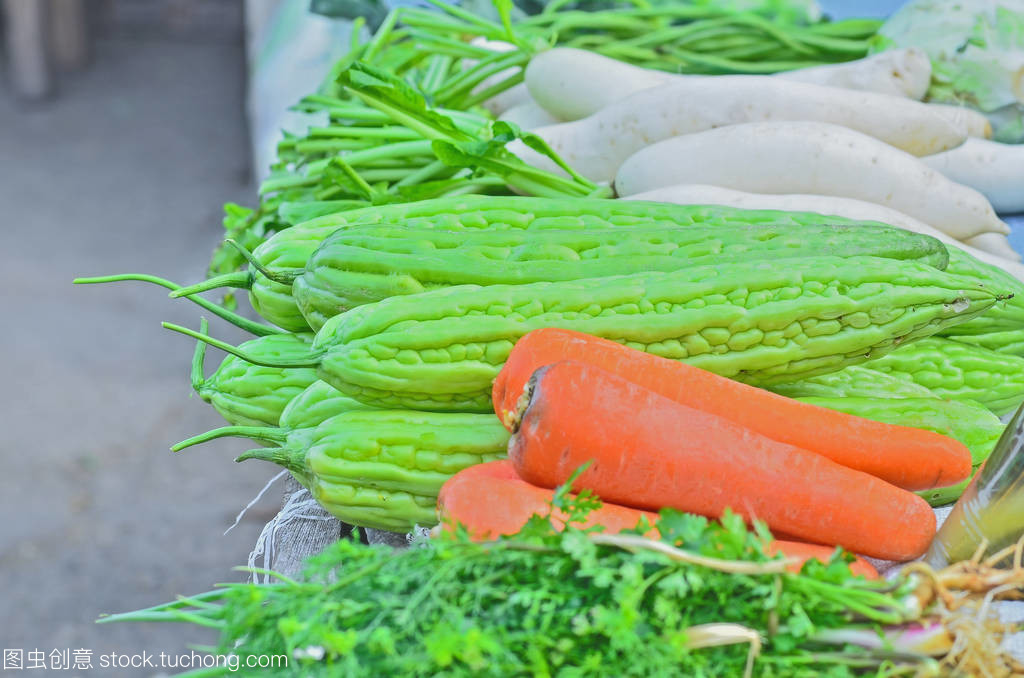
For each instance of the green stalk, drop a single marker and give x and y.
(465, 81)
(402, 117)
(719, 65)
(285, 277)
(277, 184)
(383, 174)
(829, 44)
(291, 460)
(312, 361)
(238, 280)
(268, 434)
(468, 17)
(198, 374)
(436, 71)
(251, 326)
(383, 33)
(386, 132)
(341, 108)
(442, 44)
(675, 34)
(424, 173)
(331, 146)
(495, 89)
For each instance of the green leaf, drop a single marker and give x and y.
(399, 99)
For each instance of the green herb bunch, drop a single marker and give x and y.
(703, 600)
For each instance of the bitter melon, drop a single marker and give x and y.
(287, 252)
(378, 468)
(252, 395)
(959, 371)
(363, 264)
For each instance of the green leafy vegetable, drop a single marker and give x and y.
(703, 601)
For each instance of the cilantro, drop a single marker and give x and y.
(702, 601)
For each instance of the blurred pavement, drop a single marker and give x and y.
(125, 171)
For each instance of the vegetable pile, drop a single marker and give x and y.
(700, 263)
(702, 598)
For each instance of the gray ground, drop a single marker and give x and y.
(124, 172)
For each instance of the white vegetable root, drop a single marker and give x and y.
(973, 123)
(995, 243)
(597, 145)
(817, 158)
(700, 194)
(899, 72)
(528, 115)
(573, 83)
(994, 169)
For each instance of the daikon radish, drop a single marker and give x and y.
(899, 72)
(995, 170)
(700, 194)
(994, 243)
(597, 145)
(808, 157)
(528, 115)
(973, 123)
(573, 83)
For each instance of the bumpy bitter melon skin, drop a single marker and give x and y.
(252, 395)
(757, 322)
(384, 468)
(315, 404)
(969, 422)
(292, 247)
(1010, 342)
(959, 372)
(1007, 315)
(854, 381)
(364, 264)
(287, 249)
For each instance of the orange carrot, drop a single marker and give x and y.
(491, 500)
(907, 457)
(801, 552)
(649, 452)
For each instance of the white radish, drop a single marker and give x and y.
(994, 169)
(528, 115)
(699, 194)
(973, 123)
(899, 72)
(573, 83)
(995, 243)
(808, 157)
(597, 145)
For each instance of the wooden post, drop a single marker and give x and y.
(69, 34)
(27, 59)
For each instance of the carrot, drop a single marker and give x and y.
(906, 457)
(490, 500)
(649, 452)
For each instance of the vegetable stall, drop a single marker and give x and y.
(631, 338)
